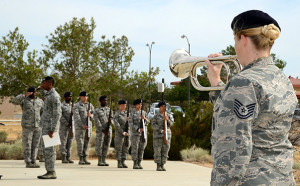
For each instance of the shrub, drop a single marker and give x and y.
(3, 151)
(196, 155)
(296, 165)
(15, 150)
(3, 136)
(193, 129)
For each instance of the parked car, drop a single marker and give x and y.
(178, 109)
(297, 114)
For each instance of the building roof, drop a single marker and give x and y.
(175, 82)
(295, 82)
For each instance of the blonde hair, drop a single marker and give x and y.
(263, 37)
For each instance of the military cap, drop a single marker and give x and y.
(161, 104)
(122, 101)
(102, 98)
(48, 78)
(31, 89)
(83, 93)
(138, 101)
(252, 19)
(67, 94)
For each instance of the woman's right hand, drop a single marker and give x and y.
(213, 71)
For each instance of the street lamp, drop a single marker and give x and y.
(150, 49)
(189, 78)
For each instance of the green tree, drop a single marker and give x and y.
(178, 94)
(19, 68)
(115, 58)
(278, 62)
(137, 84)
(74, 54)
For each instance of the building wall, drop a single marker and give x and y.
(9, 111)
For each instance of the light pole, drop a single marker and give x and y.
(150, 50)
(189, 78)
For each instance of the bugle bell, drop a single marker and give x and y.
(183, 65)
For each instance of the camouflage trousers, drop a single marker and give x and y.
(31, 140)
(66, 141)
(82, 142)
(41, 148)
(137, 147)
(161, 150)
(102, 143)
(120, 148)
(50, 155)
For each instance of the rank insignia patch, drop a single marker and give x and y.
(242, 111)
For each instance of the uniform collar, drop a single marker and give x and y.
(65, 103)
(83, 103)
(50, 91)
(264, 61)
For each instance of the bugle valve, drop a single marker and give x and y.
(182, 65)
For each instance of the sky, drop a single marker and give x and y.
(205, 23)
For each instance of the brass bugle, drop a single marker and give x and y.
(183, 65)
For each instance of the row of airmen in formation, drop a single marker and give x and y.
(48, 116)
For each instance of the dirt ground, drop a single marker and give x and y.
(14, 132)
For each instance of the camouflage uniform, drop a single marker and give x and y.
(119, 123)
(31, 126)
(160, 149)
(252, 117)
(80, 116)
(137, 145)
(50, 122)
(65, 130)
(41, 151)
(102, 141)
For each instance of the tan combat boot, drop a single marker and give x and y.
(48, 175)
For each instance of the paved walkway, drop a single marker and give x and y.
(178, 173)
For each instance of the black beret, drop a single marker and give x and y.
(83, 93)
(102, 98)
(31, 89)
(252, 19)
(122, 101)
(161, 104)
(48, 78)
(138, 101)
(67, 94)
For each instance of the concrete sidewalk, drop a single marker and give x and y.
(178, 173)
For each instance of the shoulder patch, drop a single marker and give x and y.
(242, 111)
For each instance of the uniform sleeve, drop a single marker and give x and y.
(213, 95)
(92, 111)
(171, 120)
(56, 114)
(116, 123)
(146, 120)
(77, 117)
(234, 113)
(112, 117)
(42, 107)
(18, 100)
